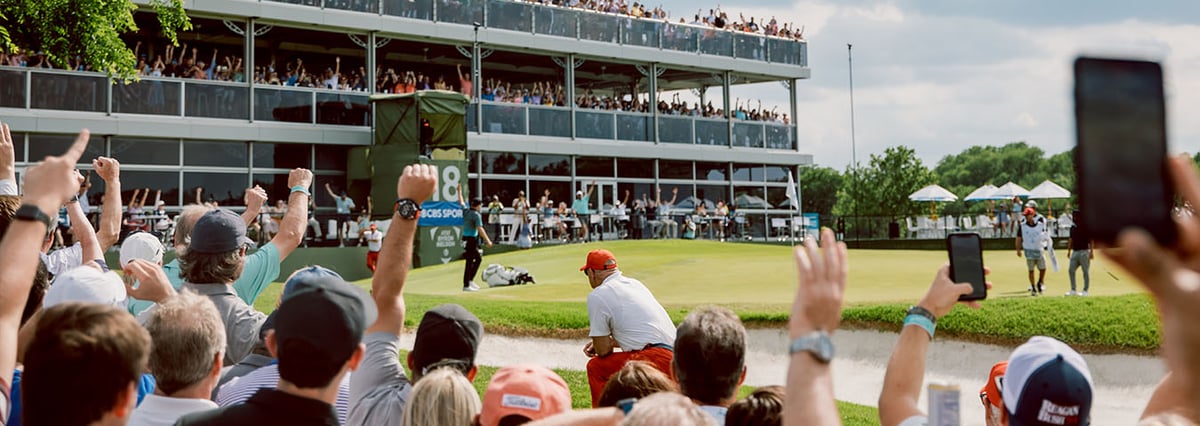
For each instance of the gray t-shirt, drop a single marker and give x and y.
(242, 322)
(379, 389)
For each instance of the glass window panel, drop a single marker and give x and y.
(776, 173)
(163, 152)
(149, 96)
(344, 109)
(332, 157)
(675, 129)
(669, 169)
(635, 168)
(294, 106)
(71, 92)
(276, 186)
(594, 166)
(473, 162)
(505, 163)
(712, 132)
(746, 196)
(167, 182)
(711, 171)
(12, 88)
(777, 196)
(42, 146)
(19, 147)
(416, 9)
(282, 156)
(637, 191)
(712, 193)
(508, 15)
(506, 189)
(553, 165)
(224, 188)
(218, 154)
(214, 100)
(749, 172)
(560, 191)
(460, 11)
(321, 196)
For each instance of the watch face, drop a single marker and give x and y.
(407, 209)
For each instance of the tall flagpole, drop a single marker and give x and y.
(853, 144)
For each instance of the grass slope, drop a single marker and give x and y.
(758, 282)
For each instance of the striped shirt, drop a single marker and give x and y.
(242, 388)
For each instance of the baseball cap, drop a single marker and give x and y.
(373, 227)
(141, 245)
(86, 284)
(1047, 382)
(448, 334)
(995, 382)
(218, 231)
(527, 390)
(319, 326)
(600, 259)
(1028, 211)
(1031, 203)
(578, 193)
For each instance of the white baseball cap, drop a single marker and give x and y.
(1047, 382)
(86, 284)
(142, 245)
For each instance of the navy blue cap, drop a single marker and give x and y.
(219, 231)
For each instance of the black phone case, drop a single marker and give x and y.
(979, 289)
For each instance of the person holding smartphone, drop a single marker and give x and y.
(1030, 234)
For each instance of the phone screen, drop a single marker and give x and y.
(1120, 159)
(966, 263)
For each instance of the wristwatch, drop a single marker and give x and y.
(816, 343)
(31, 213)
(407, 208)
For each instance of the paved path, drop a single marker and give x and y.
(1123, 382)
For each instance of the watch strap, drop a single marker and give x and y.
(31, 212)
(917, 310)
(301, 190)
(817, 343)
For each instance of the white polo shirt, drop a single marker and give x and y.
(625, 308)
(158, 410)
(1032, 235)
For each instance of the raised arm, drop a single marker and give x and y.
(109, 169)
(461, 197)
(142, 201)
(292, 227)
(254, 198)
(329, 190)
(48, 185)
(674, 195)
(906, 368)
(817, 308)
(418, 182)
(199, 195)
(90, 247)
(8, 159)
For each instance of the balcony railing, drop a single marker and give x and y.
(536, 120)
(45, 89)
(582, 24)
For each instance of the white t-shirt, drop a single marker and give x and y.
(156, 410)
(1032, 235)
(625, 308)
(374, 240)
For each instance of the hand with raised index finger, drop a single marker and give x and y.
(50, 183)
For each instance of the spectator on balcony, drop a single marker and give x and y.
(333, 75)
(464, 82)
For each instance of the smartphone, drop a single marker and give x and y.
(966, 263)
(1121, 149)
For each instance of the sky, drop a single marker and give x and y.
(939, 76)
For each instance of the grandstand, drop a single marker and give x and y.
(259, 87)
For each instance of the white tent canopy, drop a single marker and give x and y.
(1009, 190)
(982, 193)
(1049, 189)
(933, 193)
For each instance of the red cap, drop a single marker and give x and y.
(529, 390)
(1029, 211)
(600, 259)
(992, 388)
(373, 226)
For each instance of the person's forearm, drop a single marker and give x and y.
(1170, 396)
(293, 225)
(84, 233)
(395, 260)
(110, 215)
(251, 212)
(483, 233)
(904, 377)
(810, 399)
(21, 245)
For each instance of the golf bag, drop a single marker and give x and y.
(499, 276)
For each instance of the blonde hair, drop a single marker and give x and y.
(667, 408)
(443, 397)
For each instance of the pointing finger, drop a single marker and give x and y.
(72, 155)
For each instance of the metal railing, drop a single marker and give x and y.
(537, 120)
(48, 89)
(582, 24)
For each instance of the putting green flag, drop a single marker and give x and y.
(791, 191)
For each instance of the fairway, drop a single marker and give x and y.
(683, 272)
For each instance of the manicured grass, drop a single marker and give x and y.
(758, 282)
(852, 414)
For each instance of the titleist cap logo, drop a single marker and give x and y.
(521, 401)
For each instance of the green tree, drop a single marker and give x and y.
(88, 29)
(819, 189)
(882, 188)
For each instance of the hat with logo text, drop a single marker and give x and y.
(1047, 383)
(526, 390)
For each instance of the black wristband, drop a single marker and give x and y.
(917, 310)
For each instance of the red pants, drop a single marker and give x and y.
(599, 369)
(372, 260)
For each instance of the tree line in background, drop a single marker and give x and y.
(882, 185)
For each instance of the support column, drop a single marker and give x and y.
(248, 38)
(371, 51)
(653, 87)
(794, 130)
(728, 106)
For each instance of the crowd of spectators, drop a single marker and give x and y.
(716, 18)
(151, 348)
